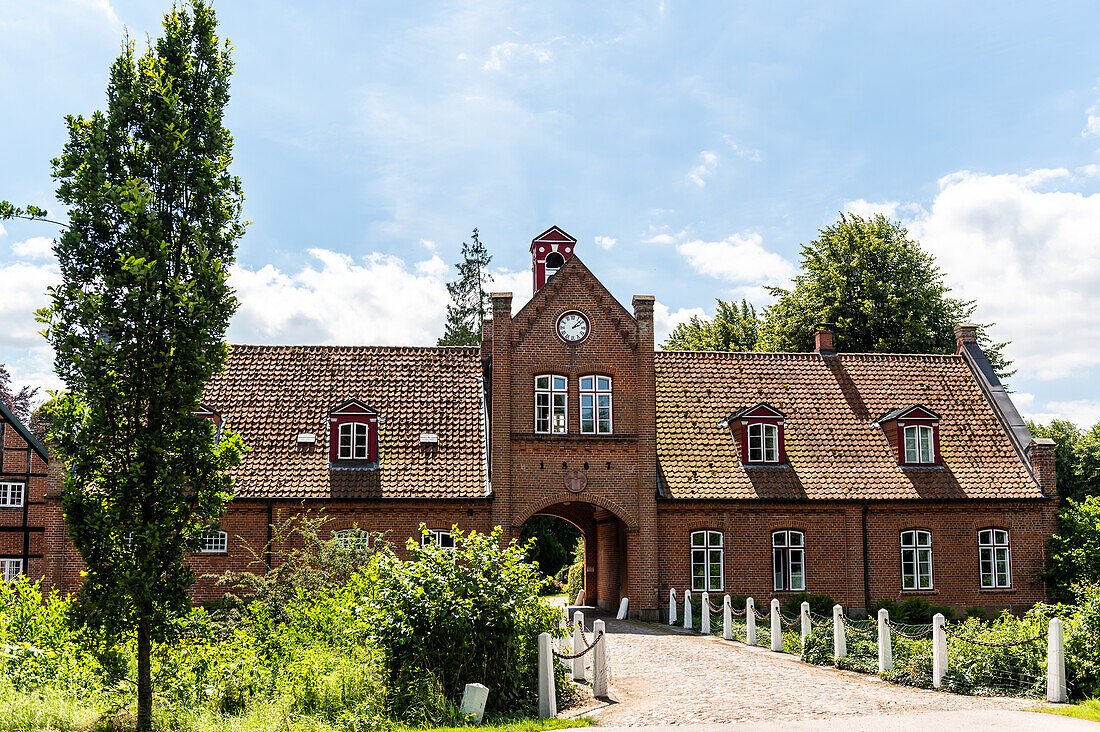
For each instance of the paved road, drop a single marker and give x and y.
(662, 677)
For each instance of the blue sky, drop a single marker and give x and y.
(689, 146)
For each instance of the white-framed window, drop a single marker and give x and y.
(707, 567)
(916, 560)
(551, 401)
(763, 443)
(10, 569)
(595, 395)
(439, 537)
(353, 441)
(352, 538)
(214, 542)
(789, 560)
(11, 495)
(994, 558)
(920, 446)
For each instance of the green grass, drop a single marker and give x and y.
(1088, 709)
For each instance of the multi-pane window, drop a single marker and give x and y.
(916, 560)
(353, 441)
(11, 495)
(920, 446)
(551, 398)
(595, 394)
(994, 559)
(214, 542)
(706, 561)
(789, 560)
(440, 537)
(763, 443)
(10, 569)
(352, 538)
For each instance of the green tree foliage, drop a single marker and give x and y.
(469, 298)
(1072, 457)
(550, 542)
(733, 328)
(138, 325)
(1074, 551)
(19, 402)
(575, 579)
(880, 290)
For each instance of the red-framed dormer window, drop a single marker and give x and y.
(353, 434)
(759, 430)
(915, 433)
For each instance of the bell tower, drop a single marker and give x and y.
(549, 250)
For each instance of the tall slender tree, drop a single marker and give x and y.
(138, 327)
(469, 298)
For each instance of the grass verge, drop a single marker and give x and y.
(1088, 709)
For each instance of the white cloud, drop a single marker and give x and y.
(1092, 170)
(3, 231)
(665, 321)
(745, 153)
(1082, 412)
(24, 291)
(738, 259)
(892, 210)
(605, 241)
(708, 163)
(37, 247)
(509, 53)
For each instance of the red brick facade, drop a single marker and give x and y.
(458, 444)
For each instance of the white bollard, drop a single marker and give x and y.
(548, 702)
(1056, 663)
(777, 627)
(473, 701)
(599, 661)
(885, 645)
(704, 614)
(939, 650)
(580, 598)
(807, 624)
(578, 645)
(624, 607)
(840, 641)
(672, 606)
(727, 618)
(687, 609)
(750, 621)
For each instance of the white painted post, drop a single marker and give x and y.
(578, 645)
(750, 621)
(939, 650)
(1056, 663)
(704, 614)
(599, 661)
(624, 607)
(777, 627)
(727, 618)
(687, 609)
(580, 598)
(548, 703)
(672, 606)
(473, 701)
(885, 643)
(807, 624)
(840, 641)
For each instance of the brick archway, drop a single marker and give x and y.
(536, 507)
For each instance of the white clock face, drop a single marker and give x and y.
(572, 327)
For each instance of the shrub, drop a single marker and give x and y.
(575, 582)
(819, 604)
(976, 611)
(911, 611)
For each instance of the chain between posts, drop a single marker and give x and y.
(856, 629)
(908, 636)
(789, 623)
(571, 656)
(713, 610)
(992, 644)
(765, 616)
(737, 613)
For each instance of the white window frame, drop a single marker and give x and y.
(10, 569)
(705, 546)
(916, 550)
(353, 452)
(214, 542)
(594, 389)
(763, 430)
(786, 554)
(555, 416)
(440, 537)
(994, 546)
(12, 494)
(924, 444)
(352, 538)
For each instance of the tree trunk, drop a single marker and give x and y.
(145, 677)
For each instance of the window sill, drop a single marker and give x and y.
(354, 465)
(13, 508)
(756, 466)
(907, 466)
(920, 592)
(574, 437)
(997, 590)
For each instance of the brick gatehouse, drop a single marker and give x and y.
(863, 476)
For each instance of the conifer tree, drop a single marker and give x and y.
(469, 298)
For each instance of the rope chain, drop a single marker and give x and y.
(908, 636)
(571, 656)
(992, 644)
(765, 616)
(848, 624)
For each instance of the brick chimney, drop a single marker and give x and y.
(965, 333)
(823, 340)
(1041, 453)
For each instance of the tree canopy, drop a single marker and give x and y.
(19, 402)
(469, 298)
(1076, 457)
(733, 328)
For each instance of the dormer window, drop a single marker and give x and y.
(920, 447)
(913, 433)
(352, 444)
(353, 436)
(763, 443)
(758, 431)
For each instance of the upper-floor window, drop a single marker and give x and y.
(758, 431)
(353, 435)
(11, 495)
(916, 560)
(789, 560)
(994, 560)
(920, 444)
(763, 443)
(706, 561)
(214, 542)
(551, 402)
(10, 569)
(440, 537)
(595, 395)
(352, 443)
(913, 433)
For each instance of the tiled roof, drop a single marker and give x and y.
(832, 450)
(270, 394)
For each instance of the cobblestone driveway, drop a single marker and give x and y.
(661, 676)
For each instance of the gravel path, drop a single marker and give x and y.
(660, 676)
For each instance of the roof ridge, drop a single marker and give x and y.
(345, 347)
(811, 354)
